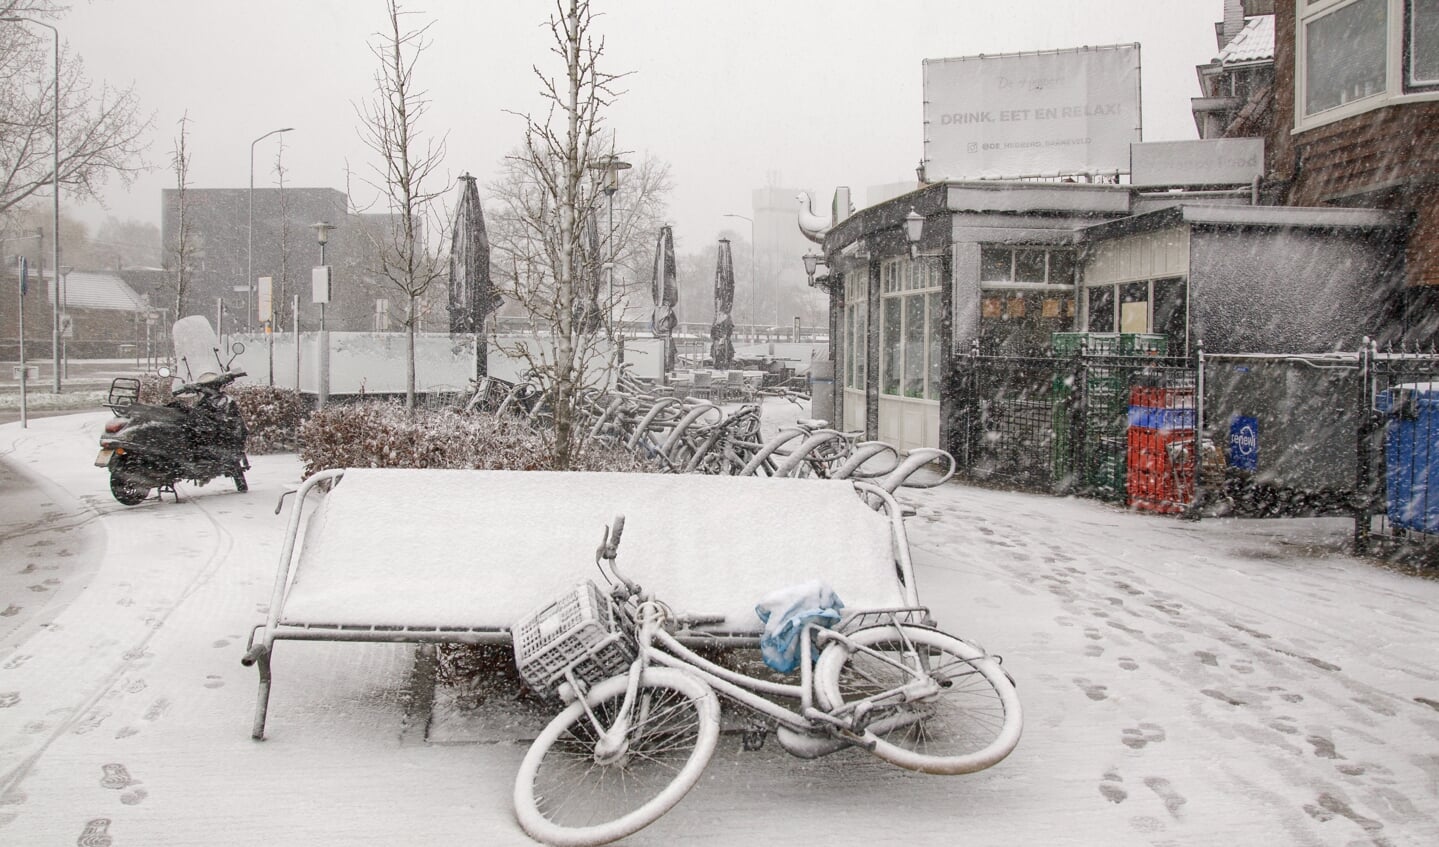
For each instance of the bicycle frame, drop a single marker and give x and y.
(655, 645)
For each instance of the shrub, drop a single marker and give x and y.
(385, 435)
(273, 416)
(155, 390)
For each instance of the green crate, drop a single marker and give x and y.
(1143, 344)
(1094, 343)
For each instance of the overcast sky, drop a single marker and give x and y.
(734, 94)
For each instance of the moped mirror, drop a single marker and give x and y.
(164, 372)
(237, 348)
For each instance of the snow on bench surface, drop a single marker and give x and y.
(458, 548)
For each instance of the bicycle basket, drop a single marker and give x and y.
(578, 631)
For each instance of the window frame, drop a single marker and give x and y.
(1397, 88)
(901, 279)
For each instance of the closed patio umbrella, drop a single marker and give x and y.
(472, 292)
(666, 294)
(721, 344)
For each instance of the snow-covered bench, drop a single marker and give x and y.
(400, 555)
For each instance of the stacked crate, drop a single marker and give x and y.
(1105, 393)
(1160, 476)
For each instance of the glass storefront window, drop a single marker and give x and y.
(1171, 312)
(996, 264)
(1061, 267)
(911, 331)
(914, 327)
(1029, 266)
(935, 345)
(1345, 55)
(1101, 309)
(856, 332)
(890, 372)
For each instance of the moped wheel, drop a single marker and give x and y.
(972, 721)
(566, 795)
(126, 489)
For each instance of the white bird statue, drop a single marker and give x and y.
(813, 226)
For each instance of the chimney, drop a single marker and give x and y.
(1233, 22)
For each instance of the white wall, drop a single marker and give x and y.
(369, 362)
(374, 362)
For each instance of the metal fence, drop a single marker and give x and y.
(1252, 435)
(1062, 424)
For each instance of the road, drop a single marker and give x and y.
(83, 387)
(1221, 682)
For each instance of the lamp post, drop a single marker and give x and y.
(610, 168)
(321, 295)
(55, 177)
(64, 294)
(250, 231)
(749, 313)
(322, 235)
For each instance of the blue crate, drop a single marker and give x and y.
(1411, 455)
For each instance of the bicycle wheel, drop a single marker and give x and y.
(564, 795)
(971, 723)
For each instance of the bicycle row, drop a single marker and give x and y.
(693, 435)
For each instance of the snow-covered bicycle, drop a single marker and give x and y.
(642, 718)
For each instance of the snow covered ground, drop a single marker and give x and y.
(1221, 682)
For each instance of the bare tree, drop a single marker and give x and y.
(101, 130)
(557, 199)
(640, 208)
(182, 252)
(390, 127)
(280, 289)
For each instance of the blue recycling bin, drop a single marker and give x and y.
(1411, 455)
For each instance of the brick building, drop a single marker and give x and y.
(1345, 94)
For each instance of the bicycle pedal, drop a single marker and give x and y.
(752, 739)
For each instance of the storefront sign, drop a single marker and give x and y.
(1212, 161)
(1031, 114)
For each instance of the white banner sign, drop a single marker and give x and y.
(1031, 114)
(1210, 161)
(320, 284)
(263, 301)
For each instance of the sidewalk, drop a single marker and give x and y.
(1220, 682)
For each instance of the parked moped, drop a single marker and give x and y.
(152, 447)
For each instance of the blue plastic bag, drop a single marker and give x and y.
(785, 614)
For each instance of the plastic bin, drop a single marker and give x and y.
(1411, 456)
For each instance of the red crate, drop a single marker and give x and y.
(1156, 397)
(1160, 469)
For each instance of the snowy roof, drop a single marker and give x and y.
(1214, 214)
(1254, 43)
(96, 290)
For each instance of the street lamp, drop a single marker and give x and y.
(55, 175)
(320, 283)
(609, 168)
(749, 313)
(913, 228)
(250, 231)
(812, 262)
(322, 235)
